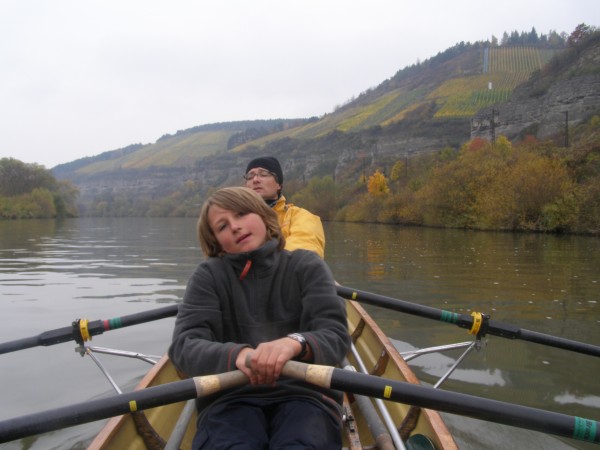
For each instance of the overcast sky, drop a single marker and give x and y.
(80, 77)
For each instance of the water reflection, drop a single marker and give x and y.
(90, 268)
(375, 255)
(593, 401)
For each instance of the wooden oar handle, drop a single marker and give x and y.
(209, 384)
(311, 373)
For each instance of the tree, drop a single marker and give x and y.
(31, 191)
(555, 39)
(581, 32)
(398, 170)
(377, 184)
(533, 38)
(65, 199)
(524, 192)
(319, 197)
(17, 178)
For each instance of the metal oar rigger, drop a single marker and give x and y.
(477, 323)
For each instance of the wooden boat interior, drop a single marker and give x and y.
(398, 425)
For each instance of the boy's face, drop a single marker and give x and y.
(263, 182)
(237, 232)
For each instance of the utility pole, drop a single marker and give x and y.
(493, 125)
(567, 129)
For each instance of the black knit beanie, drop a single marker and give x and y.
(269, 163)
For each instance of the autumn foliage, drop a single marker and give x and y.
(377, 185)
(531, 185)
(498, 187)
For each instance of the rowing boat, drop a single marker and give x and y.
(367, 424)
(384, 381)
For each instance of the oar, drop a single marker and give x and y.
(79, 413)
(475, 323)
(450, 402)
(324, 376)
(82, 330)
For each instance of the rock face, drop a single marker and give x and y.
(337, 155)
(572, 100)
(544, 106)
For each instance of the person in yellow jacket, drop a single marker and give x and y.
(300, 227)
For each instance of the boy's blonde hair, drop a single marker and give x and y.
(241, 200)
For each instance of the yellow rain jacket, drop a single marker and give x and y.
(300, 227)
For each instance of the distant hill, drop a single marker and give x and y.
(439, 103)
(181, 149)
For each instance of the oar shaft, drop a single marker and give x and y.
(446, 401)
(558, 342)
(46, 338)
(390, 303)
(67, 416)
(470, 406)
(66, 334)
(143, 317)
(463, 321)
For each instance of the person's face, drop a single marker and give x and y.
(263, 182)
(237, 232)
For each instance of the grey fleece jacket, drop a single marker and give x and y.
(282, 292)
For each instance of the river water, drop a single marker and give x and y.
(53, 272)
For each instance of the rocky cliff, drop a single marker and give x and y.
(566, 103)
(565, 94)
(340, 155)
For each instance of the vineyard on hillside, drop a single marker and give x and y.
(503, 69)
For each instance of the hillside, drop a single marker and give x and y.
(179, 150)
(437, 104)
(454, 84)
